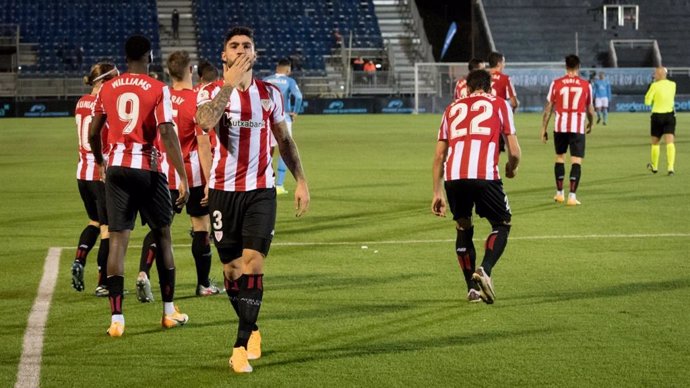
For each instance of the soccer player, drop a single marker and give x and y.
(461, 85)
(467, 160)
(184, 109)
(288, 88)
(661, 96)
(602, 96)
(571, 97)
(242, 198)
(90, 183)
(137, 110)
(207, 73)
(501, 85)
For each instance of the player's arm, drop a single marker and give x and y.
(514, 103)
(208, 114)
(174, 155)
(514, 155)
(95, 137)
(205, 159)
(294, 90)
(590, 117)
(548, 110)
(290, 154)
(438, 203)
(649, 96)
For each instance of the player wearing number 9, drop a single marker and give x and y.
(466, 158)
(137, 109)
(90, 183)
(571, 97)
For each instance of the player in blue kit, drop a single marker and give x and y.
(602, 96)
(288, 88)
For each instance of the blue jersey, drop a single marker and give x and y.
(288, 88)
(602, 88)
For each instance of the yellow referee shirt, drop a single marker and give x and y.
(660, 96)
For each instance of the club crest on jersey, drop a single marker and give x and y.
(267, 104)
(218, 234)
(203, 94)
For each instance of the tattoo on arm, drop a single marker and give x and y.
(208, 115)
(288, 151)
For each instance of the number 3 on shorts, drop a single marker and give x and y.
(217, 220)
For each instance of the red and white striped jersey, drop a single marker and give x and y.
(502, 86)
(472, 127)
(460, 89)
(571, 97)
(242, 158)
(87, 170)
(184, 111)
(134, 105)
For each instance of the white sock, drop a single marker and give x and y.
(559, 192)
(168, 308)
(118, 318)
(572, 195)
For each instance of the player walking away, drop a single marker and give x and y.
(602, 96)
(288, 89)
(571, 97)
(461, 85)
(501, 85)
(90, 183)
(661, 96)
(191, 139)
(137, 110)
(467, 160)
(242, 198)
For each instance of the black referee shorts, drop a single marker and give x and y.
(131, 190)
(663, 123)
(575, 141)
(242, 220)
(488, 196)
(93, 195)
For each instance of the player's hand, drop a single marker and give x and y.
(101, 171)
(293, 115)
(233, 74)
(544, 136)
(589, 127)
(184, 194)
(301, 198)
(510, 170)
(204, 201)
(438, 205)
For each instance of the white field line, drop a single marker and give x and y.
(29, 372)
(434, 241)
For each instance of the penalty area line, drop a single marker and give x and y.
(29, 371)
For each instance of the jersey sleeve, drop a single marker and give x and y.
(649, 96)
(507, 123)
(443, 130)
(207, 93)
(278, 113)
(551, 94)
(164, 107)
(510, 88)
(98, 106)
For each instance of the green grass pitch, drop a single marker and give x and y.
(596, 295)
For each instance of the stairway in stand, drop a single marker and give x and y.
(187, 32)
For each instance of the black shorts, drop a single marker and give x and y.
(193, 205)
(242, 220)
(488, 196)
(131, 190)
(663, 123)
(93, 195)
(575, 141)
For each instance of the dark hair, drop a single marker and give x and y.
(494, 58)
(178, 63)
(284, 62)
(572, 61)
(136, 47)
(246, 31)
(206, 71)
(479, 80)
(474, 64)
(100, 71)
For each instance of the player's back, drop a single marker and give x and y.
(86, 167)
(501, 86)
(571, 97)
(460, 89)
(473, 126)
(135, 104)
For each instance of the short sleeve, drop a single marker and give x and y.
(549, 95)
(278, 113)
(164, 107)
(98, 107)
(207, 93)
(443, 130)
(507, 118)
(510, 88)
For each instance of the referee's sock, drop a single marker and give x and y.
(670, 156)
(656, 150)
(87, 240)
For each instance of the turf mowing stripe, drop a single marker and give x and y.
(519, 238)
(29, 373)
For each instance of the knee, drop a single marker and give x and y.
(501, 225)
(463, 224)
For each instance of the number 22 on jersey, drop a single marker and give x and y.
(461, 111)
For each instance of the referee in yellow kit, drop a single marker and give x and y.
(661, 96)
